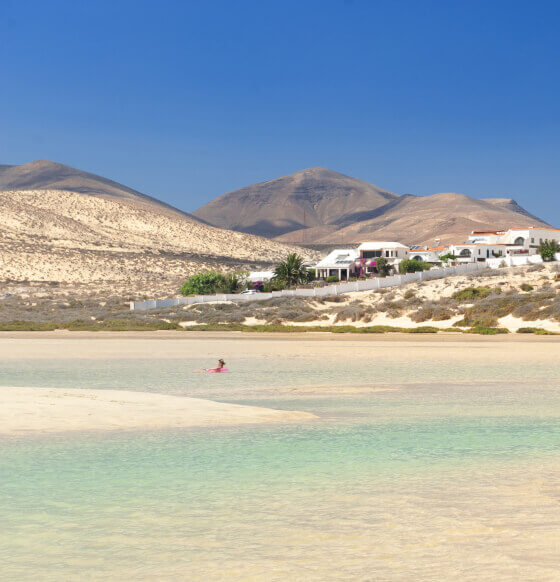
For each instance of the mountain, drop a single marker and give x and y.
(63, 225)
(321, 207)
(309, 198)
(510, 204)
(47, 175)
(449, 217)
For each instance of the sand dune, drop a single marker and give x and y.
(48, 175)
(62, 236)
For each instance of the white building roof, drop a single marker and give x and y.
(338, 259)
(380, 245)
(255, 276)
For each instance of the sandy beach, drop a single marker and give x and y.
(414, 457)
(28, 409)
(177, 344)
(31, 410)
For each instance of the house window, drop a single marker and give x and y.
(465, 253)
(532, 240)
(520, 241)
(396, 253)
(370, 254)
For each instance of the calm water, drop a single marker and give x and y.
(452, 473)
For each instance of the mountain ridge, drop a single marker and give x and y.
(49, 175)
(309, 197)
(362, 211)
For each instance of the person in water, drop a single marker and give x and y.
(221, 365)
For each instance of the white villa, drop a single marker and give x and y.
(339, 263)
(427, 254)
(518, 241)
(346, 263)
(260, 276)
(480, 247)
(394, 252)
(477, 252)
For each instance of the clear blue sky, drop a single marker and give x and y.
(185, 100)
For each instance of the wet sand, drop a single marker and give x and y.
(178, 344)
(31, 410)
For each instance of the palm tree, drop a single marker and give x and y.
(291, 271)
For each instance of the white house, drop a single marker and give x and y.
(427, 254)
(390, 250)
(518, 241)
(260, 276)
(486, 236)
(339, 263)
(477, 252)
(394, 252)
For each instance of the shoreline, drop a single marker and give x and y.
(443, 337)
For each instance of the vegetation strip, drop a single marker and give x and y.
(117, 325)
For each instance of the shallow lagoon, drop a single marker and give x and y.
(423, 469)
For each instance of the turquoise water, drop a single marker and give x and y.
(453, 474)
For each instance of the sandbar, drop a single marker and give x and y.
(25, 410)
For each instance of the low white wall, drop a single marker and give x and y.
(336, 289)
(517, 261)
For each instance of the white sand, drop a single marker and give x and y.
(30, 410)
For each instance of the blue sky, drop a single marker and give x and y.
(187, 100)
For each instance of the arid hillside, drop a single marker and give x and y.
(105, 242)
(47, 175)
(321, 207)
(310, 198)
(449, 217)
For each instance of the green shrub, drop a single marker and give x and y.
(332, 299)
(204, 284)
(423, 329)
(332, 279)
(351, 312)
(479, 329)
(535, 330)
(273, 285)
(548, 249)
(434, 312)
(413, 266)
(526, 287)
(471, 294)
(382, 266)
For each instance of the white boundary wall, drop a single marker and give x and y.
(337, 289)
(513, 261)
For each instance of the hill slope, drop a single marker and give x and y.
(308, 198)
(449, 217)
(322, 207)
(112, 236)
(47, 175)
